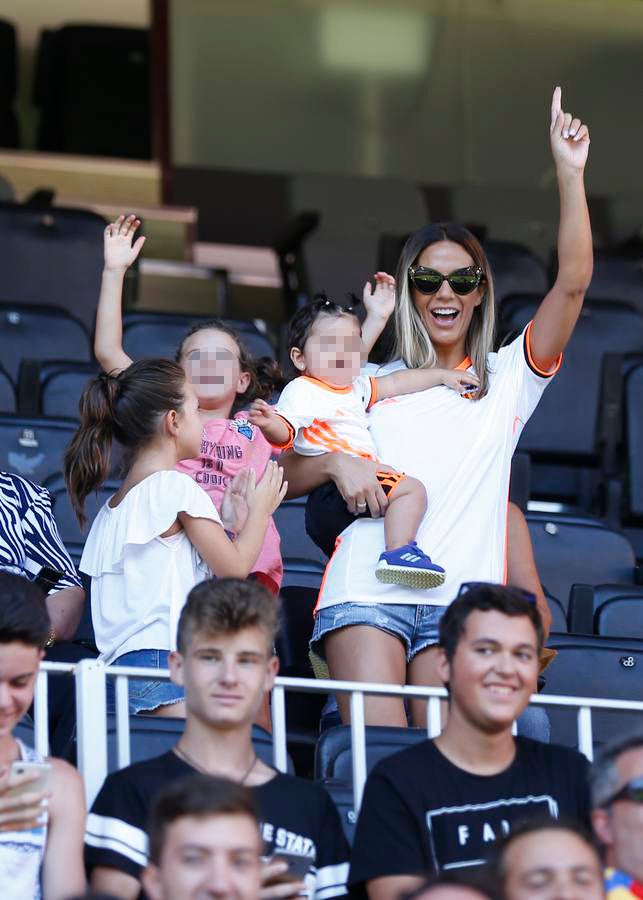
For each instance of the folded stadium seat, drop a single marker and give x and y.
(84, 68)
(34, 448)
(302, 558)
(612, 610)
(73, 537)
(558, 617)
(160, 334)
(601, 667)
(39, 332)
(634, 428)
(153, 735)
(574, 550)
(341, 794)
(561, 435)
(53, 255)
(515, 270)
(52, 387)
(333, 755)
(618, 276)
(342, 252)
(9, 136)
(7, 393)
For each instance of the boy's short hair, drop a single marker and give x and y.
(510, 601)
(226, 606)
(200, 796)
(534, 826)
(23, 612)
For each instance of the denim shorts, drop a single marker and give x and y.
(417, 626)
(145, 696)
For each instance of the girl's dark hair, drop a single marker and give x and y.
(301, 324)
(266, 376)
(126, 407)
(23, 612)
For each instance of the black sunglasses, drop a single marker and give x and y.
(462, 281)
(468, 585)
(632, 791)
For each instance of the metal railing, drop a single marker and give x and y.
(91, 715)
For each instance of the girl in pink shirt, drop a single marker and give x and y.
(225, 378)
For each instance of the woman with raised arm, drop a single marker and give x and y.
(460, 448)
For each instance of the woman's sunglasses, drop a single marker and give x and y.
(632, 791)
(462, 281)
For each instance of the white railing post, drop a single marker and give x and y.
(91, 724)
(585, 737)
(279, 748)
(434, 717)
(123, 754)
(41, 713)
(358, 743)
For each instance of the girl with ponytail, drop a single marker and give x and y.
(160, 534)
(225, 377)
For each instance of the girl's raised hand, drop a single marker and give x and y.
(266, 495)
(119, 251)
(261, 413)
(568, 135)
(234, 509)
(379, 302)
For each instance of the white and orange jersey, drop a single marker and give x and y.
(326, 419)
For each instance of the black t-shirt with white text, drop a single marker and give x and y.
(297, 816)
(422, 814)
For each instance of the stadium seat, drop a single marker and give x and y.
(515, 270)
(53, 387)
(82, 68)
(42, 332)
(558, 617)
(617, 276)
(160, 334)
(612, 610)
(333, 756)
(34, 448)
(562, 433)
(73, 537)
(302, 573)
(52, 255)
(634, 428)
(290, 519)
(7, 393)
(574, 550)
(342, 796)
(602, 667)
(153, 735)
(9, 135)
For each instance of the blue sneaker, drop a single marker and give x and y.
(410, 566)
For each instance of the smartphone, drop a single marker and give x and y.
(38, 785)
(298, 867)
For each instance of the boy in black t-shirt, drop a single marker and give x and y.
(442, 804)
(225, 662)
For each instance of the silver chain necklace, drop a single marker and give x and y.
(195, 765)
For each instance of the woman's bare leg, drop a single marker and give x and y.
(521, 565)
(366, 653)
(423, 671)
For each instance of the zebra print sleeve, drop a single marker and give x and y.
(29, 538)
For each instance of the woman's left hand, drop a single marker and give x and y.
(569, 137)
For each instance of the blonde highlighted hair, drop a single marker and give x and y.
(412, 343)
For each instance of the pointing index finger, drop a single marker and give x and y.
(556, 103)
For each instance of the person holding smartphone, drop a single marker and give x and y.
(42, 801)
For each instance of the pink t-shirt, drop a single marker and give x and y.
(227, 447)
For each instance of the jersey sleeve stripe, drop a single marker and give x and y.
(373, 398)
(530, 360)
(331, 881)
(108, 833)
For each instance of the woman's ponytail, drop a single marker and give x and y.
(87, 459)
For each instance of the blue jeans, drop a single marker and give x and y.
(144, 695)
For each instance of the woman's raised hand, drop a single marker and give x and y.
(266, 495)
(568, 135)
(234, 508)
(118, 248)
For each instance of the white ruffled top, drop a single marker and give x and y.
(140, 580)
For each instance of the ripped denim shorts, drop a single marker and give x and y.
(417, 625)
